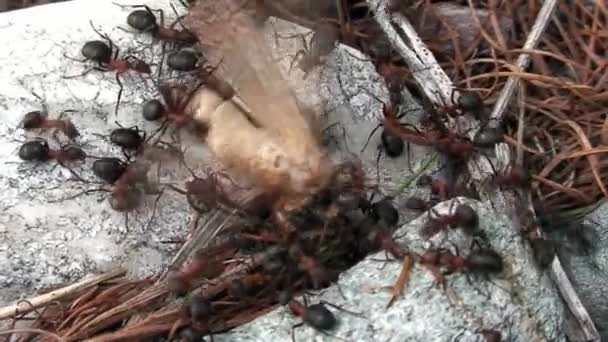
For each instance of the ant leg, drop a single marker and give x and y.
(86, 72)
(65, 55)
(159, 70)
(293, 331)
(85, 192)
(356, 314)
(378, 166)
(147, 226)
(119, 93)
(369, 137)
(104, 36)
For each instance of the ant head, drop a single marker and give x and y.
(34, 150)
(33, 120)
(318, 316)
(73, 152)
(109, 169)
(70, 130)
(467, 217)
(470, 102)
(183, 60)
(153, 110)
(129, 138)
(97, 51)
(142, 20)
(199, 308)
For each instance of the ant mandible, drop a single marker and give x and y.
(106, 57)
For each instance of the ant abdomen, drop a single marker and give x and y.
(484, 261)
(97, 50)
(393, 145)
(109, 169)
(467, 217)
(385, 211)
(127, 138)
(33, 120)
(183, 60)
(34, 150)
(142, 20)
(318, 316)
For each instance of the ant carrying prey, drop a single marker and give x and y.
(106, 57)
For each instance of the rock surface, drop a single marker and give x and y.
(45, 242)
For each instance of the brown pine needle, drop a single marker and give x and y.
(402, 281)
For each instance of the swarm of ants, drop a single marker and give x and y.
(306, 249)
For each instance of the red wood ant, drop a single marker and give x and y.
(38, 150)
(467, 103)
(101, 53)
(39, 120)
(464, 217)
(316, 315)
(145, 21)
(205, 264)
(513, 177)
(175, 97)
(479, 261)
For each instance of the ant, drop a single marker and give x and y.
(321, 44)
(38, 150)
(175, 97)
(479, 261)
(319, 275)
(464, 217)
(39, 120)
(513, 177)
(316, 315)
(101, 53)
(131, 138)
(206, 193)
(145, 21)
(207, 263)
(467, 103)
